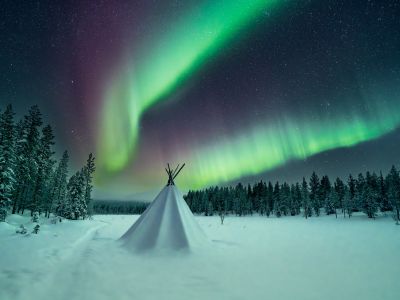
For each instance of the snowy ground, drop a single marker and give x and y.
(249, 258)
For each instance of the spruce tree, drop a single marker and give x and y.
(348, 202)
(314, 193)
(277, 200)
(393, 184)
(296, 199)
(88, 171)
(222, 204)
(370, 195)
(333, 202)
(351, 182)
(20, 165)
(27, 153)
(339, 188)
(324, 193)
(359, 192)
(59, 186)
(285, 198)
(45, 163)
(75, 202)
(384, 204)
(305, 196)
(7, 160)
(270, 199)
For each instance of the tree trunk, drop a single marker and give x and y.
(14, 208)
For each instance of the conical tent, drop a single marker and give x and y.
(167, 224)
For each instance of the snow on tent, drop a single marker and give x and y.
(167, 224)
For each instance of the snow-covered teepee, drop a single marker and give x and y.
(167, 224)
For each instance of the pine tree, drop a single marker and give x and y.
(384, 204)
(88, 171)
(277, 200)
(45, 163)
(314, 193)
(75, 203)
(339, 188)
(285, 198)
(203, 202)
(332, 203)
(20, 165)
(305, 196)
(7, 160)
(359, 192)
(27, 153)
(348, 202)
(351, 201)
(59, 186)
(370, 195)
(222, 204)
(324, 193)
(210, 209)
(393, 184)
(296, 199)
(270, 199)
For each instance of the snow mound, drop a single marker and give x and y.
(167, 224)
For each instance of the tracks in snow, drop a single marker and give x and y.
(70, 265)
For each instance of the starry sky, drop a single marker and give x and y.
(238, 90)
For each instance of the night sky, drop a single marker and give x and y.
(238, 90)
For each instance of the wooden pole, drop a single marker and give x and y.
(173, 173)
(178, 171)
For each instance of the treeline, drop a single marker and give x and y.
(368, 193)
(118, 207)
(30, 176)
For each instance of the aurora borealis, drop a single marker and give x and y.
(169, 59)
(235, 89)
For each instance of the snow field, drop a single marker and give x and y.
(249, 258)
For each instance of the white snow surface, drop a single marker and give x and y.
(166, 225)
(248, 258)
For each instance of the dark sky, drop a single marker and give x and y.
(245, 91)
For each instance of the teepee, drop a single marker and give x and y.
(167, 223)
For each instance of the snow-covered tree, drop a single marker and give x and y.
(314, 193)
(296, 200)
(393, 184)
(270, 199)
(221, 200)
(348, 202)
(75, 207)
(28, 141)
(384, 204)
(339, 188)
(305, 196)
(370, 195)
(59, 187)
(88, 171)
(45, 163)
(324, 193)
(277, 200)
(7, 160)
(285, 198)
(332, 202)
(359, 192)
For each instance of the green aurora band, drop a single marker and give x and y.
(164, 64)
(263, 148)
